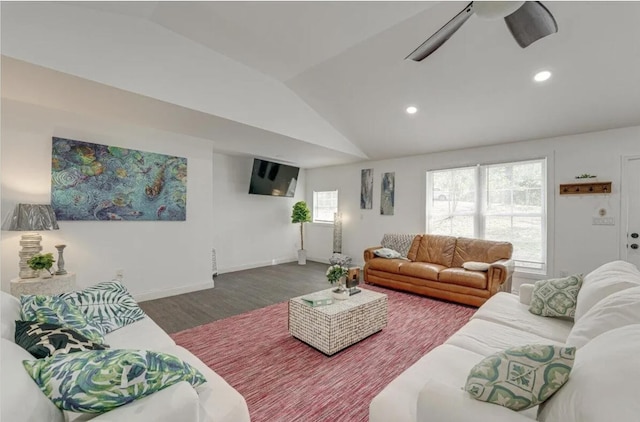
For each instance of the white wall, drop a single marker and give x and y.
(159, 258)
(575, 245)
(250, 230)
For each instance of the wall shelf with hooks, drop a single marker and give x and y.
(585, 188)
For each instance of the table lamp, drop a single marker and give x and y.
(30, 218)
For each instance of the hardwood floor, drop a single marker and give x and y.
(236, 293)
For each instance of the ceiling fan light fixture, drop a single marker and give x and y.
(531, 22)
(528, 21)
(542, 76)
(411, 110)
(495, 9)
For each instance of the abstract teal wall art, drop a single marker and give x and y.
(101, 182)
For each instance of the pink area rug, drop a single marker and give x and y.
(283, 379)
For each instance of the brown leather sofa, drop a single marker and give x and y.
(434, 268)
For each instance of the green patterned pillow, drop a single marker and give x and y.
(109, 305)
(556, 297)
(521, 377)
(55, 310)
(42, 339)
(97, 381)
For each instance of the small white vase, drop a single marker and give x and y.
(44, 274)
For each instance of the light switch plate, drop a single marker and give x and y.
(603, 221)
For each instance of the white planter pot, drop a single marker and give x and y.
(342, 295)
(302, 257)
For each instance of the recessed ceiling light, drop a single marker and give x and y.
(412, 110)
(542, 76)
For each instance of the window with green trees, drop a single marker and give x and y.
(505, 201)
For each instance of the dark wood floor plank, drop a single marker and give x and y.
(236, 293)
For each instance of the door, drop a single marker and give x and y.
(631, 210)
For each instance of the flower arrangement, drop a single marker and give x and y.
(335, 272)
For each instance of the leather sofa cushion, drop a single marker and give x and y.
(385, 264)
(436, 249)
(413, 250)
(421, 270)
(462, 277)
(480, 250)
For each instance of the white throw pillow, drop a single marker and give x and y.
(387, 253)
(603, 385)
(476, 266)
(609, 278)
(615, 311)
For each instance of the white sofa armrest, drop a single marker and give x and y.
(178, 402)
(526, 292)
(438, 402)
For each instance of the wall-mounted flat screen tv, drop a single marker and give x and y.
(273, 179)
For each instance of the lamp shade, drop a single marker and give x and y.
(31, 217)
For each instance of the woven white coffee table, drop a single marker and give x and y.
(334, 327)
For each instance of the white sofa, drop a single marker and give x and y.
(432, 390)
(22, 401)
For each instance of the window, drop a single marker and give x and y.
(496, 202)
(325, 205)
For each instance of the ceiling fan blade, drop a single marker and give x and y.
(443, 34)
(530, 23)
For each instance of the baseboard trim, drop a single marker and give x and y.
(159, 294)
(326, 261)
(257, 265)
(318, 259)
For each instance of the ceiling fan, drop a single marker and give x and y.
(528, 22)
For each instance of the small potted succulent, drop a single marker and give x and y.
(338, 274)
(40, 262)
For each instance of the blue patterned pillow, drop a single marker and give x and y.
(97, 381)
(55, 310)
(108, 305)
(521, 377)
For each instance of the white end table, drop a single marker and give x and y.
(43, 286)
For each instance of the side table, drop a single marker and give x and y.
(43, 286)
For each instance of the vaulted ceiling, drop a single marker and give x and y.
(322, 83)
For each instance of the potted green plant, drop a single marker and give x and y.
(301, 214)
(41, 262)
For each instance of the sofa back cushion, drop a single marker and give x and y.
(603, 385)
(10, 307)
(22, 400)
(605, 280)
(436, 249)
(413, 250)
(614, 311)
(480, 250)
